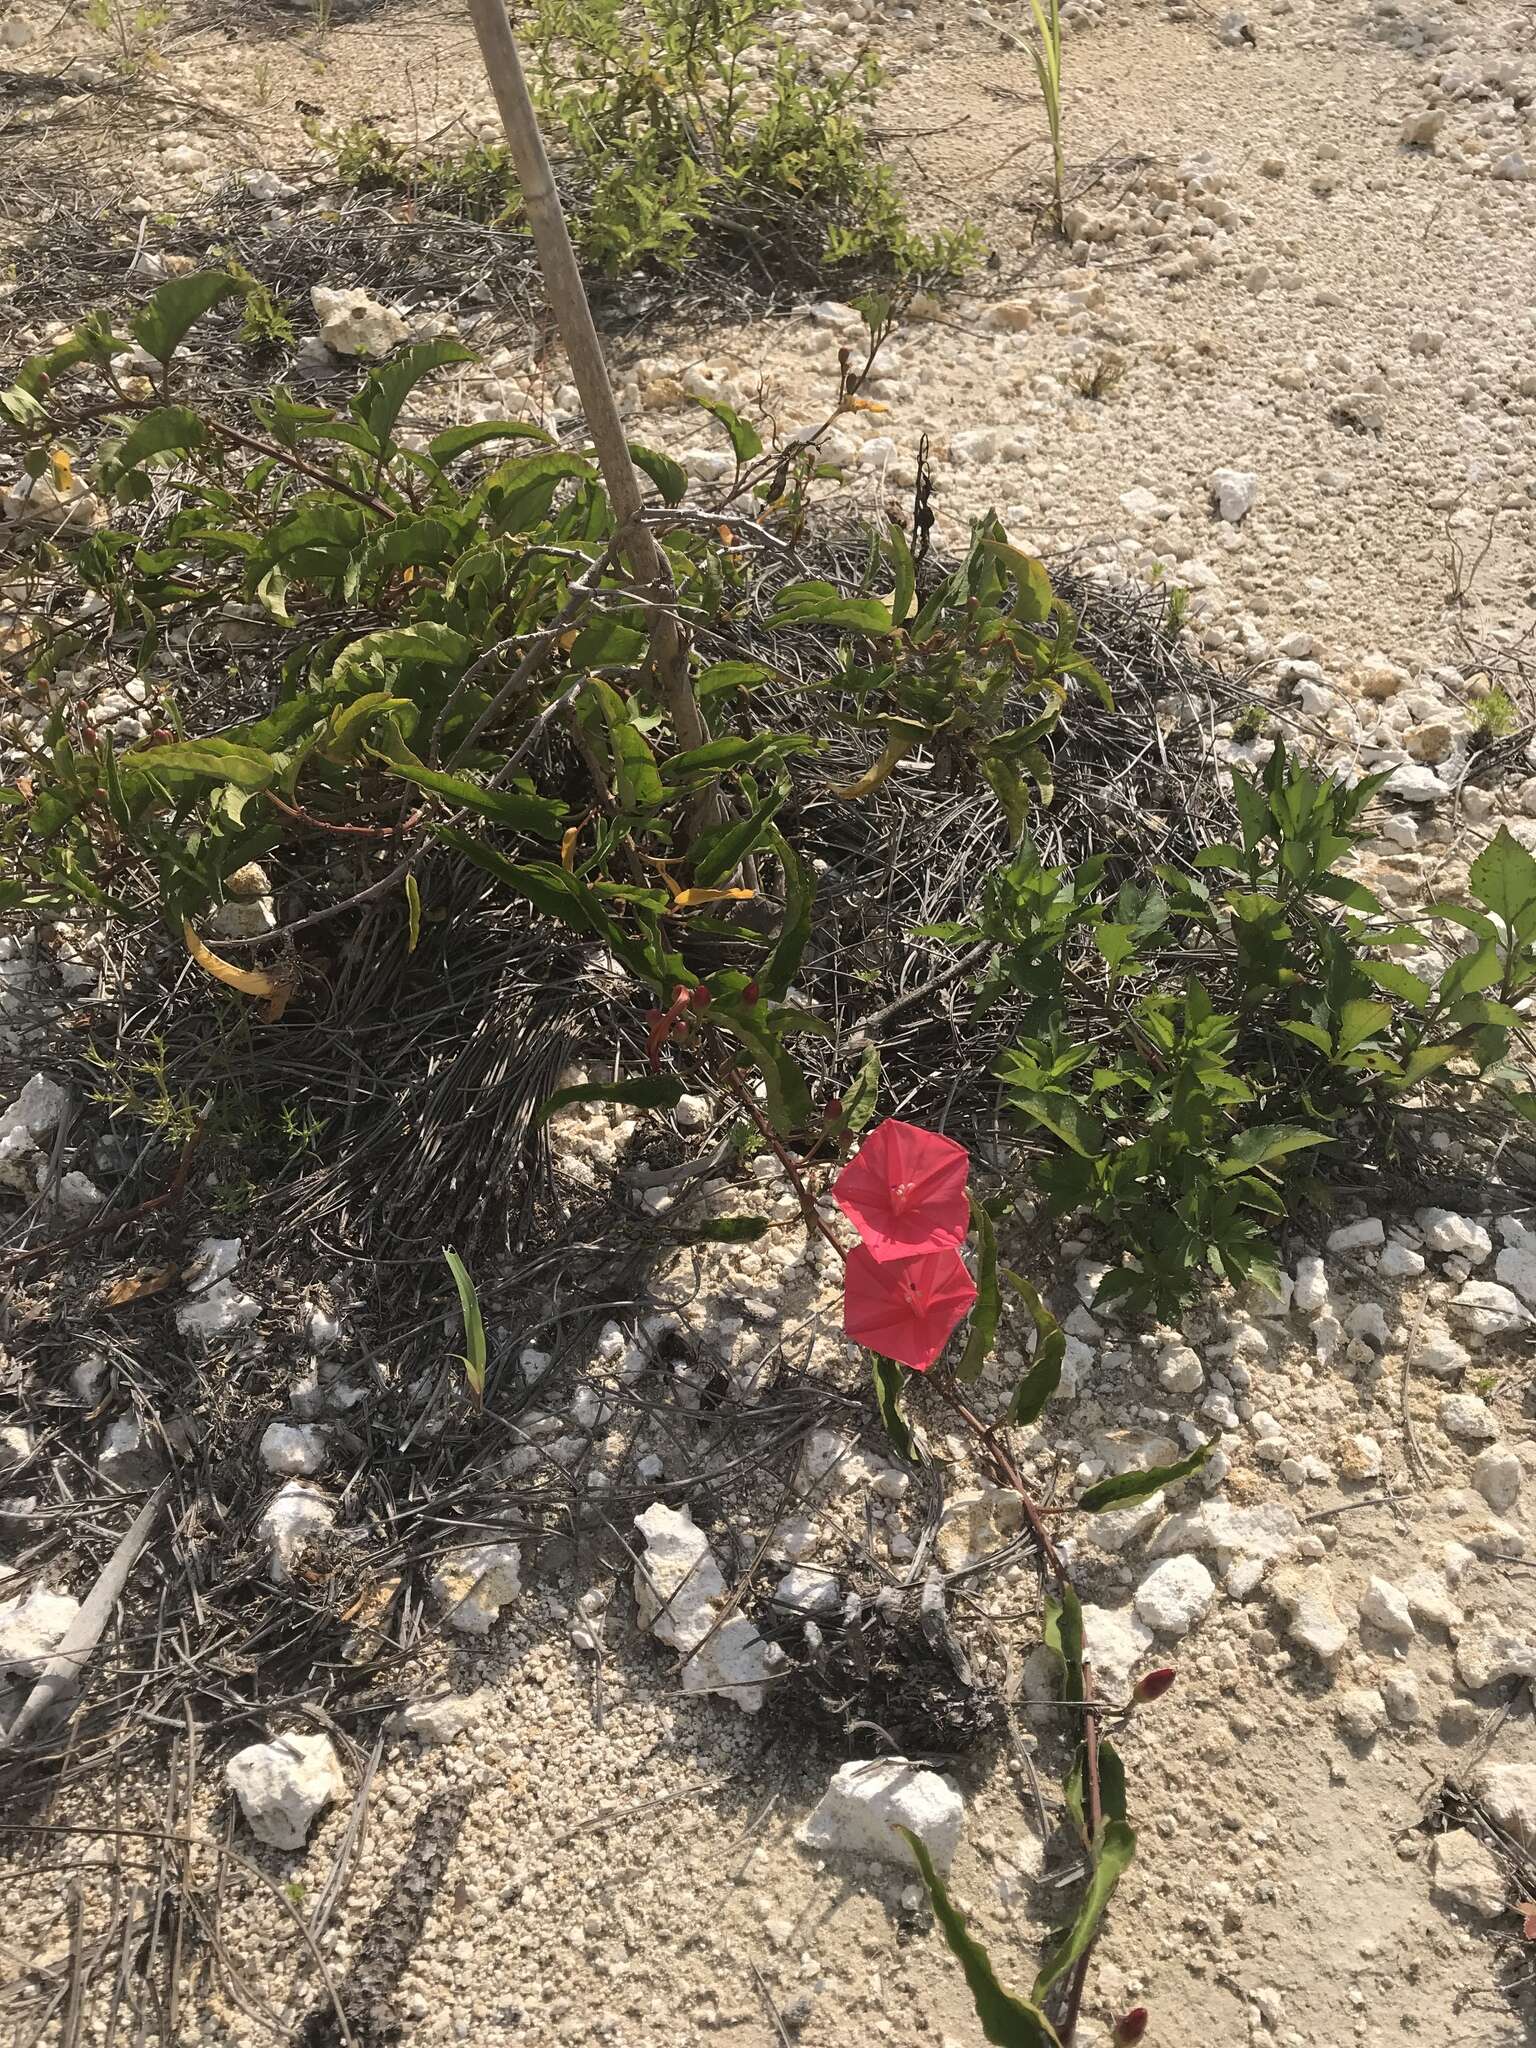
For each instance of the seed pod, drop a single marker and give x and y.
(1130, 2027)
(1154, 1684)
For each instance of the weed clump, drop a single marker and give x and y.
(685, 132)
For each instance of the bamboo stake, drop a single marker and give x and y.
(573, 317)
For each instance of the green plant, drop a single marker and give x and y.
(474, 1356)
(1495, 716)
(675, 143)
(135, 30)
(1045, 51)
(1176, 1120)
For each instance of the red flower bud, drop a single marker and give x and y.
(750, 993)
(699, 997)
(1131, 2026)
(834, 1109)
(1151, 1687)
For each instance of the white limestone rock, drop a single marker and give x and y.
(295, 1515)
(474, 1585)
(865, 1803)
(1175, 1595)
(1464, 1875)
(1115, 1641)
(32, 1626)
(1509, 1793)
(1469, 1417)
(1385, 1607)
(1306, 1595)
(1454, 1235)
(678, 1591)
(1488, 1653)
(219, 1311)
(352, 323)
(282, 1785)
(436, 1721)
(1235, 492)
(293, 1450)
(1489, 1310)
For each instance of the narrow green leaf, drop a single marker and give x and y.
(729, 1230)
(378, 404)
(646, 1091)
(1265, 1142)
(202, 761)
(1044, 1375)
(1110, 1865)
(860, 1101)
(444, 447)
(413, 911)
(1359, 1020)
(1396, 980)
(1076, 1127)
(799, 905)
(1006, 2021)
(988, 1303)
(823, 604)
(887, 1378)
(540, 815)
(1126, 1488)
(474, 1326)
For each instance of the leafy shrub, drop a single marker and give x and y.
(675, 141)
(1176, 1121)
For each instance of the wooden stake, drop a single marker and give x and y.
(573, 317)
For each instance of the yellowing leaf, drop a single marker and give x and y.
(867, 405)
(568, 640)
(895, 750)
(568, 849)
(413, 912)
(250, 981)
(63, 470)
(689, 899)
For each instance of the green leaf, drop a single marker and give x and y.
(1397, 980)
(715, 756)
(669, 477)
(1063, 1115)
(799, 904)
(1126, 1488)
(729, 675)
(378, 405)
(1265, 1142)
(1006, 2021)
(351, 722)
(1471, 972)
(1044, 1375)
(787, 1098)
(887, 1378)
(1361, 1019)
(823, 604)
(444, 447)
(647, 1091)
(1222, 855)
(1503, 877)
(860, 1100)
(438, 645)
(170, 428)
(988, 1304)
(1424, 1059)
(1310, 1034)
(1341, 890)
(541, 815)
(721, 850)
(746, 442)
(160, 327)
(474, 1326)
(1110, 1865)
(413, 911)
(202, 761)
(729, 1230)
